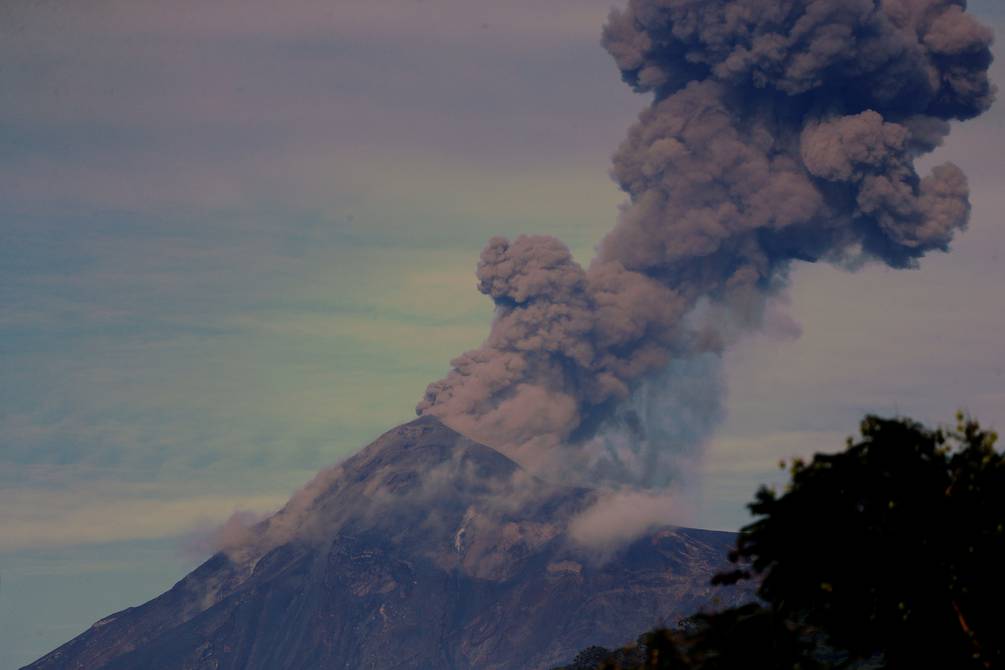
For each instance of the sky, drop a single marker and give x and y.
(238, 240)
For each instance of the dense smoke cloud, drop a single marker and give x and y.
(780, 130)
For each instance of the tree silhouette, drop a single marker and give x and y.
(892, 547)
(888, 554)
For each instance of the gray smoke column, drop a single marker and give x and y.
(780, 130)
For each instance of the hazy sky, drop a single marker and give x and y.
(237, 240)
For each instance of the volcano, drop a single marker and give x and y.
(423, 551)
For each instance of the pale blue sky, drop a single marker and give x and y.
(236, 245)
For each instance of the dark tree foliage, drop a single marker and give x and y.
(741, 638)
(894, 546)
(889, 554)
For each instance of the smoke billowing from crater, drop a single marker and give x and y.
(780, 130)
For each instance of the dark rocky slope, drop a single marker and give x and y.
(423, 551)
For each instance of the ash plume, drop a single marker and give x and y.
(779, 130)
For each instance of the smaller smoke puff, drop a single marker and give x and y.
(236, 536)
(621, 517)
(780, 130)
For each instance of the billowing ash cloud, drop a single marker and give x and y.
(780, 130)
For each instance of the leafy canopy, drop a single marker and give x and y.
(888, 554)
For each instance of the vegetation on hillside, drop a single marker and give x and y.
(888, 554)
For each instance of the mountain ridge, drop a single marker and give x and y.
(423, 550)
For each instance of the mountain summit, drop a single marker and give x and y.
(425, 550)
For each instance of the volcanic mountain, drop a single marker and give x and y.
(425, 550)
